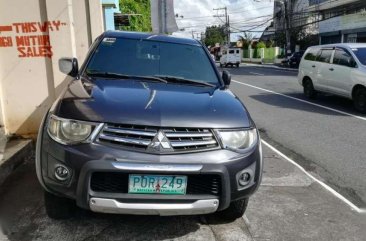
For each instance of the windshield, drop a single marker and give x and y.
(152, 58)
(360, 54)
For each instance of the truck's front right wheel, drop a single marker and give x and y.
(235, 210)
(58, 207)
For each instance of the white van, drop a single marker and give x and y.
(231, 56)
(338, 69)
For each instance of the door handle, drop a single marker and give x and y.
(331, 69)
(313, 66)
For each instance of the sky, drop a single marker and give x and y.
(243, 14)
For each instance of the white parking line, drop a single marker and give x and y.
(331, 190)
(256, 73)
(304, 101)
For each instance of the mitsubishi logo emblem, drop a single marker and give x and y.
(160, 142)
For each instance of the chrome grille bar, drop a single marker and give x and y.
(140, 137)
(127, 140)
(192, 143)
(130, 131)
(188, 134)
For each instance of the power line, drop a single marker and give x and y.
(227, 22)
(256, 26)
(212, 16)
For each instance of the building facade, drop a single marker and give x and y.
(335, 21)
(34, 34)
(110, 11)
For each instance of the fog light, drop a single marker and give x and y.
(244, 179)
(62, 173)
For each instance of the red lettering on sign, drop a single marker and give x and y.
(39, 51)
(6, 42)
(31, 44)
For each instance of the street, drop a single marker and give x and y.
(290, 204)
(325, 136)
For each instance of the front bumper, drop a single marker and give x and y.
(86, 159)
(163, 209)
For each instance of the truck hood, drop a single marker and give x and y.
(152, 104)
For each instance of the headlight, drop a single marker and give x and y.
(239, 139)
(67, 131)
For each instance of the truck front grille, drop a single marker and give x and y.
(116, 182)
(146, 138)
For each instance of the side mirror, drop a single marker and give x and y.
(226, 77)
(69, 66)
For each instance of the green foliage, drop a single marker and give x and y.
(214, 34)
(269, 43)
(246, 40)
(261, 45)
(299, 36)
(140, 23)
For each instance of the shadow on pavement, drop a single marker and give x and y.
(334, 102)
(23, 217)
(263, 72)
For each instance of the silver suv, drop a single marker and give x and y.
(338, 69)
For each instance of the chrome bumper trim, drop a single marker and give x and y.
(103, 205)
(156, 167)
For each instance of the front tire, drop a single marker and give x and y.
(235, 210)
(58, 207)
(359, 100)
(309, 90)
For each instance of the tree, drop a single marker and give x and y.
(246, 40)
(260, 45)
(299, 36)
(215, 34)
(140, 23)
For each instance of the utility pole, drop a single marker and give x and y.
(287, 25)
(227, 22)
(228, 30)
(162, 16)
(163, 19)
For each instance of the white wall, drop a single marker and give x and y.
(29, 76)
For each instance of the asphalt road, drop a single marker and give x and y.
(328, 143)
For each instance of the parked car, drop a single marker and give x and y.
(294, 59)
(338, 69)
(231, 57)
(143, 131)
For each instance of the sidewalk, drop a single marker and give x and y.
(290, 205)
(12, 154)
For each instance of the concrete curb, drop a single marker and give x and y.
(13, 154)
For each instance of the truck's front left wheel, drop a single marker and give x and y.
(58, 207)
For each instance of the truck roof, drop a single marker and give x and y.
(151, 36)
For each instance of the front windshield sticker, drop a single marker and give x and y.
(109, 40)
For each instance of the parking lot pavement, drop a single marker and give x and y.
(288, 206)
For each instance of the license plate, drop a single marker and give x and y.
(157, 184)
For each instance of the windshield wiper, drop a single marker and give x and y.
(123, 76)
(175, 79)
